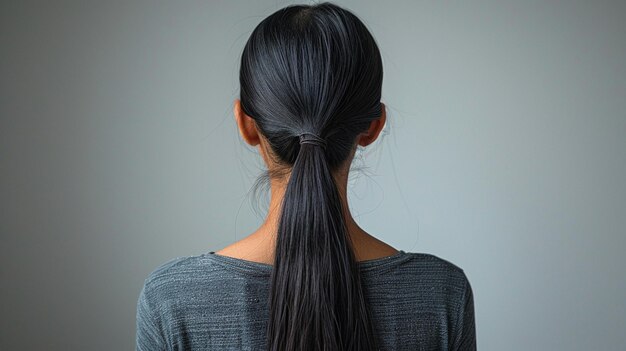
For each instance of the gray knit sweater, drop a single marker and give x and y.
(213, 302)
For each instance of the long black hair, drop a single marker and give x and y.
(313, 69)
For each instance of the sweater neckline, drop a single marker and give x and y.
(367, 267)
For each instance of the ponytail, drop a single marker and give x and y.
(313, 68)
(316, 297)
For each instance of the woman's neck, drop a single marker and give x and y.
(260, 245)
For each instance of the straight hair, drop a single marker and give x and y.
(313, 69)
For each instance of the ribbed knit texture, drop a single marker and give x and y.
(213, 302)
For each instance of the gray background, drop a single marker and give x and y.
(504, 153)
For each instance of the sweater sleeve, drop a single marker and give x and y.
(466, 330)
(148, 334)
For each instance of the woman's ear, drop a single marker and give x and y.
(376, 126)
(246, 125)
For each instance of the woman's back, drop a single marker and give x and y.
(310, 95)
(418, 301)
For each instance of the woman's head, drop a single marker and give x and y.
(312, 69)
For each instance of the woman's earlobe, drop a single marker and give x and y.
(246, 125)
(376, 126)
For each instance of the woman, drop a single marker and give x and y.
(309, 278)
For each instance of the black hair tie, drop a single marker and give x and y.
(309, 138)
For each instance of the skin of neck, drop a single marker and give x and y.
(269, 228)
(261, 244)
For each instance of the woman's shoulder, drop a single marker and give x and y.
(424, 272)
(431, 263)
(171, 276)
(166, 269)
